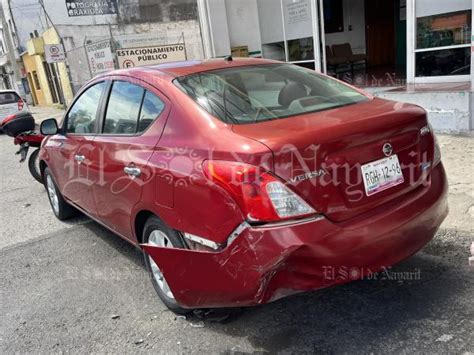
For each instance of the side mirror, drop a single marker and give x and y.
(49, 127)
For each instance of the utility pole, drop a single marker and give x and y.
(61, 42)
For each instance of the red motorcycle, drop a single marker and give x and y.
(22, 128)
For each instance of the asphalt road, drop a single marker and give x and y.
(75, 287)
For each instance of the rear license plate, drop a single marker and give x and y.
(381, 175)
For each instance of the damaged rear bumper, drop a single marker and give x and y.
(269, 262)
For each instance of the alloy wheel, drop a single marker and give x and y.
(159, 239)
(53, 196)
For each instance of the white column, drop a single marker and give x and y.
(472, 51)
(204, 22)
(411, 40)
(318, 36)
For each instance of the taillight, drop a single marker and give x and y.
(261, 196)
(21, 104)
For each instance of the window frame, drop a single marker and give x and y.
(439, 48)
(147, 88)
(98, 113)
(412, 50)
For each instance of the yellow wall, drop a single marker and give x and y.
(51, 37)
(33, 61)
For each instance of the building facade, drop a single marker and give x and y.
(49, 82)
(414, 50)
(91, 33)
(11, 66)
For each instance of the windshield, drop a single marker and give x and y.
(265, 92)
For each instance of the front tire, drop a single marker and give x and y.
(33, 166)
(62, 210)
(158, 234)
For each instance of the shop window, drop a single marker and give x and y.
(443, 44)
(444, 30)
(275, 51)
(333, 16)
(456, 61)
(300, 49)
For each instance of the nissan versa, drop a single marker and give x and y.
(246, 180)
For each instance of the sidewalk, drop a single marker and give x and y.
(40, 113)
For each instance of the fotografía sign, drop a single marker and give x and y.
(140, 56)
(91, 7)
(54, 53)
(99, 55)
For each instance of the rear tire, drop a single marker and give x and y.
(157, 233)
(33, 166)
(62, 210)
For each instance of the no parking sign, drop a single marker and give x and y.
(54, 53)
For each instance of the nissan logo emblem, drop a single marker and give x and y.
(387, 149)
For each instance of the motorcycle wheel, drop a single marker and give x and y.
(33, 166)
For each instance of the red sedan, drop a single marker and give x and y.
(244, 181)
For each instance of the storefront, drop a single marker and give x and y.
(415, 51)
(411, 41)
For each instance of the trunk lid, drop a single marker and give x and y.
(320, 154)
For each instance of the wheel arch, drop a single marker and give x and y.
(139, 223)
(43, 167)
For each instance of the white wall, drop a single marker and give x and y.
(218, 26)
(448, 112)
(354, 14)
(271, 26)
(243, 23)
(430, 7)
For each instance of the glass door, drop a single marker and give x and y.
(291, 31)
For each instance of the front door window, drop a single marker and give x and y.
(82, 116)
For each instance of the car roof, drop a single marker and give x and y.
(8, 91)
(182, 68)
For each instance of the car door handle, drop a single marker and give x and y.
(132, 171)
(79, 158)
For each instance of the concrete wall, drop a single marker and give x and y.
(129, 35)
(448, 112)
(129, 11)
(354, 14)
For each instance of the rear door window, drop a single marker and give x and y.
(130, 109)
(123, 108)
(152, 107)
(7, 98)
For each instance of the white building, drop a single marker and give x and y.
(10, 60)
(411, 50)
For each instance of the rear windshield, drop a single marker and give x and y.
(265, 92)
(8, 98)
